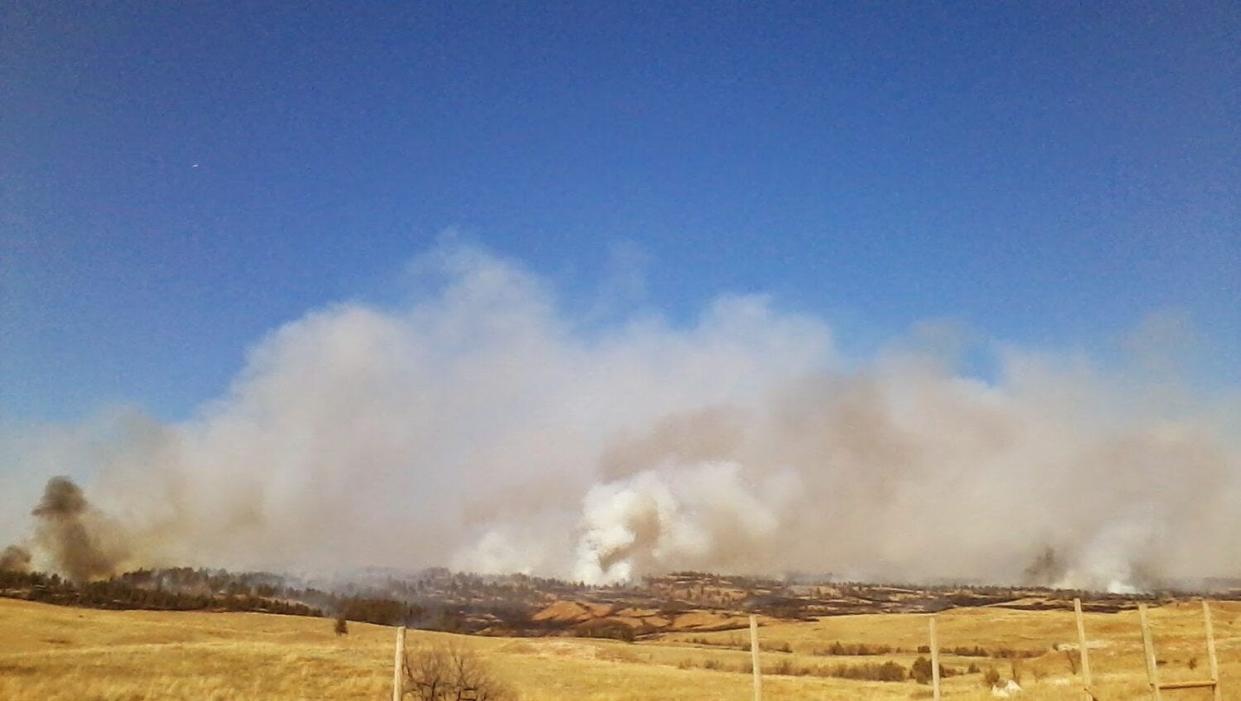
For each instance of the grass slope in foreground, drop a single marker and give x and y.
(50, 652)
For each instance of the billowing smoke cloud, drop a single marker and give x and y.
(483, 427)
(80, 542)
(700, 516)
(15, 558)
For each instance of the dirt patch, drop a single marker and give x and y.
(558, 648)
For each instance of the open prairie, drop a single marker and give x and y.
(50, 652)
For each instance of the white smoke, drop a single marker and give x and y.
(483, 427)
(1106, 562)
(675, 517)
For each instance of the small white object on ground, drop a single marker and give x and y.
(1007, 690)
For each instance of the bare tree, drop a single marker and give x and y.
(451, 673)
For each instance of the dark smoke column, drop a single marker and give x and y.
(61, 529)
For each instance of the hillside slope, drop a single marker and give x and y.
(50, 652)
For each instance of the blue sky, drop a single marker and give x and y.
(177, 180)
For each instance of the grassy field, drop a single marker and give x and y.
(49, 652)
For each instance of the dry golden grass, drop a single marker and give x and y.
(49, 653)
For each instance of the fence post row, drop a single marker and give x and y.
(1152, 661)
(1148, 646)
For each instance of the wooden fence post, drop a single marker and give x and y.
(398, 666)
(754, 659)
(934, 661)
(1211, 660)
(1152, 665)
(1152, 660)
(1087, 683)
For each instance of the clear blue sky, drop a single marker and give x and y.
(1047, 173)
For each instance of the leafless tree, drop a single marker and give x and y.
(451, 672)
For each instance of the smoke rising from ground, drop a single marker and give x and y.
(15, 558)
(79, 542)
(481, 427)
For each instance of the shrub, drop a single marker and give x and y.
(840, 649)
(885, 672)
(1008, 653)
(444, 672)
(1072, 658)
(920, 671)
(603, 628)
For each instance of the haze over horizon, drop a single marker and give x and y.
(597, 291)
(479, 425)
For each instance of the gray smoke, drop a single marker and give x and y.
(482, 427)
(15, 559)
(1046, 569)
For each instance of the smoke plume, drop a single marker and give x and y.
(483, 427)
(80, 543)
(15, 559)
